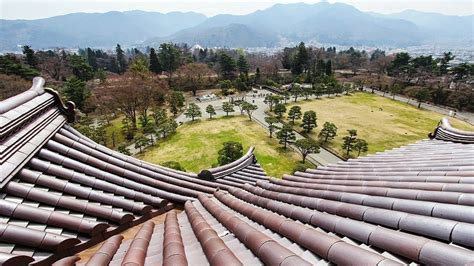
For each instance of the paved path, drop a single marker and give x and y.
(465, 116)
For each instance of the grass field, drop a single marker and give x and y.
(195, 145)
(383, 122)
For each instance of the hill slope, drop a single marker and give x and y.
(93, 29)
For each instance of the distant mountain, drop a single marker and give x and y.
(322, 22)
(439, 28)
(94, 29)
(231, 35)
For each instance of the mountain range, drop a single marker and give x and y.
(323, 22)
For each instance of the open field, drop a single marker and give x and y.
(195, 145)
(384, 123)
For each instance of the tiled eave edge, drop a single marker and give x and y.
(101, 237)
(36, 132)
(28, 147)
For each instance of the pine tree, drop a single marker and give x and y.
(279, 110)
(271, 121)
(309, 121)
(193, 111)
(306, 146)
(286, 135)
(91, 58)
(328, 132)
(155, 66)
(243, 65)
(210, 110)
(349, 141)
(329, 68)
(30, 56)
(121, 60)
(361, 146)
(228, 108)
(227, 65)
(294, 113)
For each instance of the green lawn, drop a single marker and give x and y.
(195, 145)
(383, 122)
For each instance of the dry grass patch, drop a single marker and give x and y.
(195, 145)
(383, 122)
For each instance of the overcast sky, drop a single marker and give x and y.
(32, 9)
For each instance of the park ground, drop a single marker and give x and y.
(382, 122)
(195, 145)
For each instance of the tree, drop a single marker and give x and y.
(444, 62)
(307, 146)
(309, 121)
(300, 63)
(257, 75)
(159, 116)
(169, 58)
(271, 121)
(349, 141)
(307, 91)
(227, 65)
(210, 110)
(155, 66)
(121, 60)
(30, 57)
(193, 111)
(271, 100)
(124, 150)
(139, 68)
(91, 58)
(400, 64)
(9, 65)
(249, 108)
(173, 165)
(318, 89)
(422, 95)
(328, 69)
(227, 107)
(192, 76)
(294, 113)
(80, 68)
(286, 135)
(296, 91)
(75, 90)
(167, 127)
(242, 65)
(361, 146)
(279, 110)
(175, 102)
(328, 132)
(132, 95)
(240, 105)
(128, 130)
(141, 141)
(239, 83)
(230, 152)
(225, 85)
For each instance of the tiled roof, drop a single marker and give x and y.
(409, 205)
(60, 192)
(64, 193)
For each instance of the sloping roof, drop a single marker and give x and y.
(60, 192)
(413, 204)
